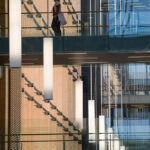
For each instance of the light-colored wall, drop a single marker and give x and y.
(33, 119)
(42, 7)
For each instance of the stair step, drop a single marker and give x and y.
(65, 129)
(30, 85)
(38, 15)
(64, 2)
(74, 22)
(59, 113)
(39, 93)
(59, 124)
(65, 118)
(70, 134)
(39, 106)
(30, 2)
(69, 2)
(53, 107)
(30, 98)
(47, 113)
(46, 100)
(22, 1)
(53, 119)
(22, 89)
(75, 138)
(74, 128)
(70, 123)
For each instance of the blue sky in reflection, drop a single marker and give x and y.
(129, 17)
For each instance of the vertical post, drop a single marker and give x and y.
(110, 130)
(121, 98)
(91, 121)
(64, 144)
(110, 139)
(47, 17)
(101, 89)
(109, 95)
(102, 133)
(15, 33)
(122, 148)
(79, 104)
(100, 23)
(116, 143)
(120, 16)
(48, 68)
(95, 4)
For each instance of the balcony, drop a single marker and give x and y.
(86, 38)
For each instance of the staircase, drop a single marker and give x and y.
(72, 11)
(36, 17)
(39, 20)
(50, 110)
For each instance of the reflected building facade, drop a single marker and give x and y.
(87, 71)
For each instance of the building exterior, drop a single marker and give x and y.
(86, 90)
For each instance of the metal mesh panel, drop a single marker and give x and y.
(14, 108)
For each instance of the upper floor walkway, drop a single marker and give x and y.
(106, 32)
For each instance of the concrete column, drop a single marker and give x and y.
(48, 68)
(79, 104)
(116, 143)
(122, 148)
(102, 131)
(15, 33)
(91, 121)
(14, 108)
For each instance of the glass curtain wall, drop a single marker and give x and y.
(121, 94)
(116, 17)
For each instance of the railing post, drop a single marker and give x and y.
(64, 144)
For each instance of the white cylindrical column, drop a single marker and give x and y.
(110, 139)
(122, 148)
(15, 33)
(91, 121)
(48, 68)
(79, 104)
(116, 143)
(102, 133)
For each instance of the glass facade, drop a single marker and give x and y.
(121, 94)
(120, 111)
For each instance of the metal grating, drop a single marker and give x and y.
(14, 108)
